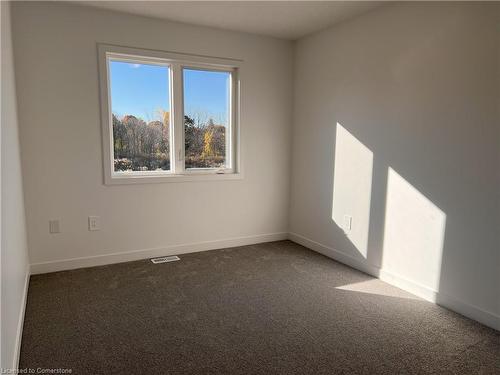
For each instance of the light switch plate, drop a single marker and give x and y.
(54, 226)
(347, 222)
(94, 223)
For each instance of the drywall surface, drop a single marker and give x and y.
(396, 125)
(58, 90)
(14, 252)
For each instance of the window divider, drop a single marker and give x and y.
(178, 118)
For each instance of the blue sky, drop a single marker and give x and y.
(142, 89)
(206, 94)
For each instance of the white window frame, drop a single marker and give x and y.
(176, 63)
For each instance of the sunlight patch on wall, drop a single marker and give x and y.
(414, 233)
(352, 185)
(377, 287)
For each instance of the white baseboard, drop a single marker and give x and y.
(99, 260)
(20, 322)
(333, 253)
(487, 318)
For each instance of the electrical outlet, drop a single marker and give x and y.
(94, 223)
(347, 223)
(54, 226)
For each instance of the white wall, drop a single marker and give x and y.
(14, 253)
(396, 123)
(56, 67)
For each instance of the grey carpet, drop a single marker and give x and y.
(273, 308)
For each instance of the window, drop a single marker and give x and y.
(206, 116)
(140, 110)
(168, 117)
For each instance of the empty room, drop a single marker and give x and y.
(250, 187)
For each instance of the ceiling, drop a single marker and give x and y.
(280, 19)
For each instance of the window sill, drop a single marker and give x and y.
(168, 178)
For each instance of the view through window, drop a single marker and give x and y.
(206, 118)
(140, 106)
(168, 116)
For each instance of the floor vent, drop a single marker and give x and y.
(171, 258)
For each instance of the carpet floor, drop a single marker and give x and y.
(272, 308)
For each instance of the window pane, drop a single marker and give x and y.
(206, 118)
(140, 105)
